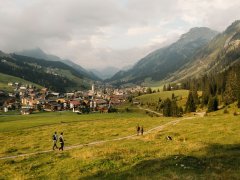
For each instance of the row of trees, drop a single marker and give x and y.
(169, 107)
(218, 88)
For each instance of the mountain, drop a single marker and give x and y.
(40, 54)
(161, 63)
(219, 54)
(105, 73)
(54, 75)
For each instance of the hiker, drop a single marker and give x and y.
(61, 140)
(138, 129)
(55, 138)
(142, 130)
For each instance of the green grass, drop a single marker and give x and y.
(5, 79)
(152, 99)
(202, 148)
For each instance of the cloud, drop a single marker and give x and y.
(98, 33)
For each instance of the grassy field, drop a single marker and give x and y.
(202, 148)
(151, 100)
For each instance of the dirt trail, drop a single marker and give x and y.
(158, 128)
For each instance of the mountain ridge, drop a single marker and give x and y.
(54, 75)
(40, 54)
(160, 63)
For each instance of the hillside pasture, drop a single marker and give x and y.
(201, 147)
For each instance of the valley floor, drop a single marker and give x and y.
(201, 147)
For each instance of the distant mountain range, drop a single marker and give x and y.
(105, 73)
(161, 63)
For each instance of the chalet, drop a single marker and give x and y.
(25, 110)
(74, 104)
(52, 106)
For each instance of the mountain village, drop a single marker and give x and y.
(28, 99)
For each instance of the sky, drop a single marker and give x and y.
(101, 33)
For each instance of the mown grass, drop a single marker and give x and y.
(202, 148)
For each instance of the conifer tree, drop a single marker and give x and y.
(195, 97)
(190, 105)
(174, 109)
(149, 90)
(167, 108)
(232, 87)
(213, 104)
(169, 87)
(164, 88)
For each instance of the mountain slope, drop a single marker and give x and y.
(52, 74)
(162, 62)
(5, 79)
(40, 54)
(218, 55)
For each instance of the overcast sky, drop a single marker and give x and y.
(100, 33)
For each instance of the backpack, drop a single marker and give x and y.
(60, 139)
(54, 137)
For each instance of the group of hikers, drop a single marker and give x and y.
(139, 130)
(55, 140)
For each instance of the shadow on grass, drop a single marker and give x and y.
(219, 162)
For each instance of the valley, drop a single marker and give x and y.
(173, 114)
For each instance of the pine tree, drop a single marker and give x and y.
(195, 97)
(190, 105)
(169, 87)
(149, 90)
(174, 109)
(213, 104)
(164, 88)
(232, 87)
(167, 108)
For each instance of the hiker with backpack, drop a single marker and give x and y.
(55, 138)
(61, 140)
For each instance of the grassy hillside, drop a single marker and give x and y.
(152, 99)
(54, 75)
(202, 148)
(5, 79)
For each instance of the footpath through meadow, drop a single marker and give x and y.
(157, 128)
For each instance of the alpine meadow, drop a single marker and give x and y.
(119, 89)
